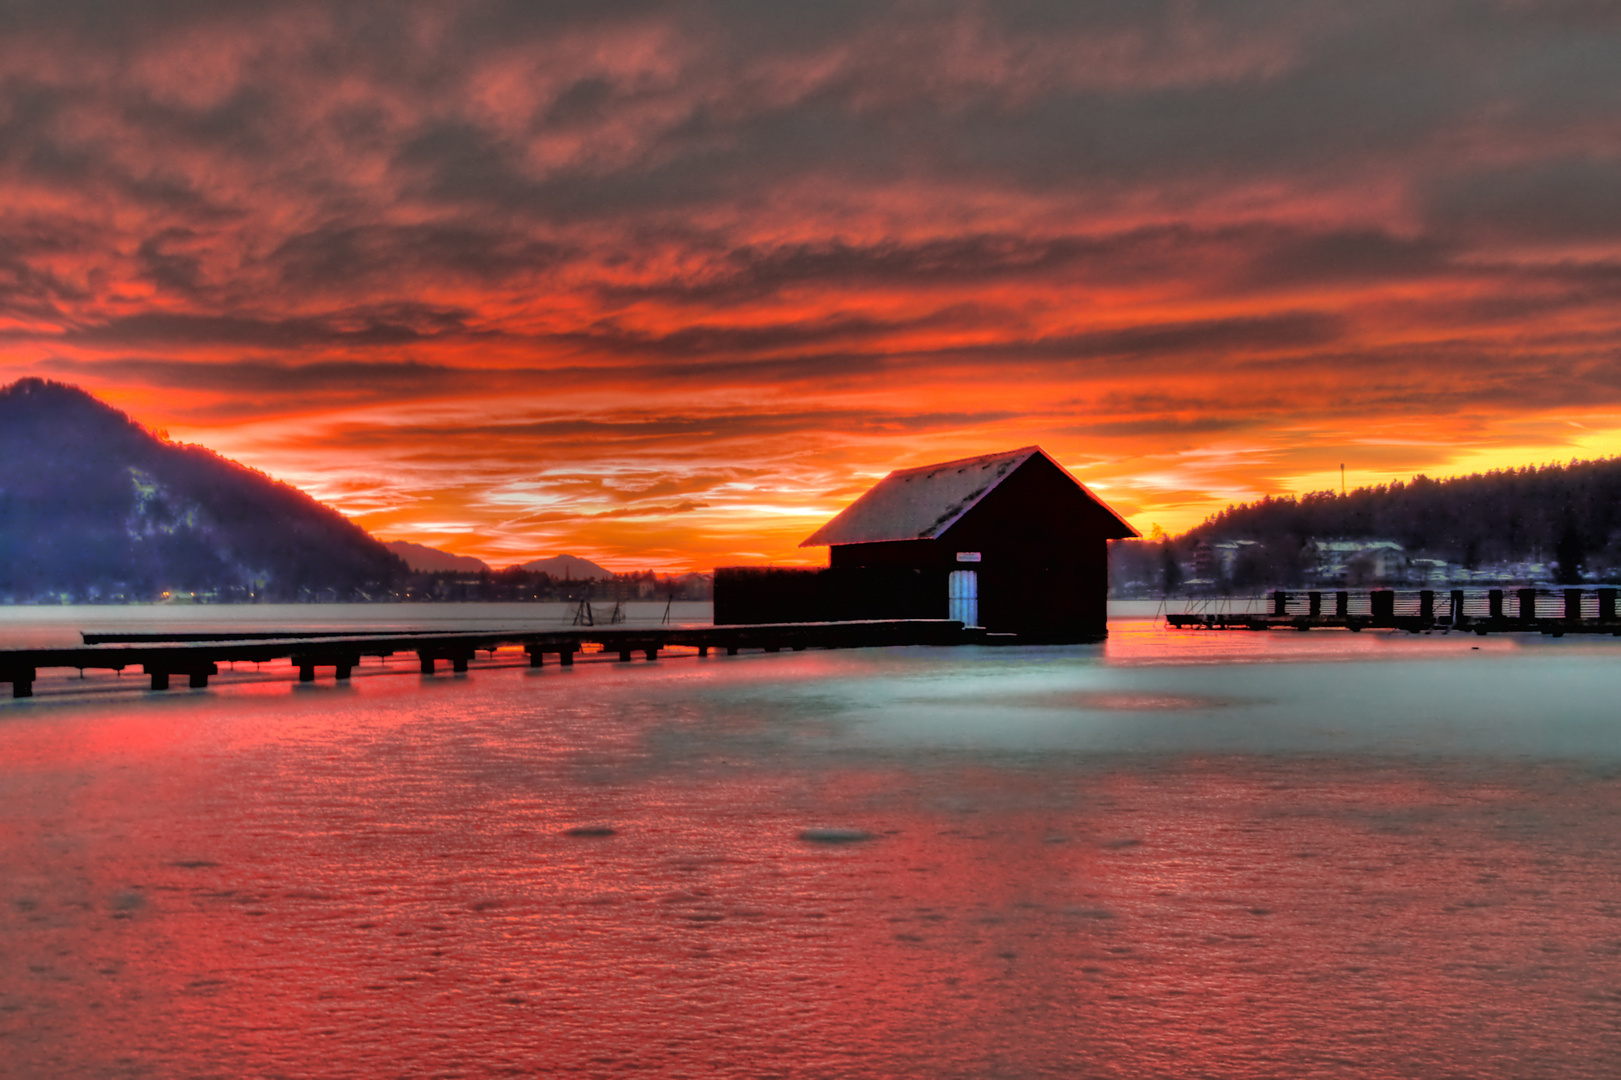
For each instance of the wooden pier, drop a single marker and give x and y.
(197, 656)
(1536, 610)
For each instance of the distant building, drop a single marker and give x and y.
(1357, 562)
(1011, 542)
(1215, 560)
(1429, 572)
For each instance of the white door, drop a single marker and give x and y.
(964, 593)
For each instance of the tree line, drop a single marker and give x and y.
(1565, 516)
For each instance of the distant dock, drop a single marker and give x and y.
(1554, 612)
(196, 657)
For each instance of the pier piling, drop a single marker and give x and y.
(197, 655)
(1416, 612)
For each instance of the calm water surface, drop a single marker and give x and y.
(1216, 855)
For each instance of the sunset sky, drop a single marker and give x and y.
(667, 285)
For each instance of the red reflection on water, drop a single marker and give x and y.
(394, 878)
(1151, 641)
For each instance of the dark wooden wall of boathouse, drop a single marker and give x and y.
(771, 594)
(1042, 545)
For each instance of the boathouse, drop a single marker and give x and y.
(1010, 541)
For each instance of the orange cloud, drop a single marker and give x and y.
(668, 285)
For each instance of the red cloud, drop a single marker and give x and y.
(675, 285)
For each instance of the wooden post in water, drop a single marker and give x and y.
(536, 657)
(1494, 603)
(1383, 602)
(565, 656)
(1573, 605)
(1426, 604)
(1528, 605)
(427, 662)
(1342, 603)
(1457, 607)
(1606, 605)
(1316, 599)
(1280, 603)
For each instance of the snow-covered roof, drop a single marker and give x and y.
(1357, 546)
(922, 503)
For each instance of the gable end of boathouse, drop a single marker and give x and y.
(1008, 541)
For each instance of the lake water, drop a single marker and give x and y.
(1175, 854)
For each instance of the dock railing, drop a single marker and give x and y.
(1554, 611)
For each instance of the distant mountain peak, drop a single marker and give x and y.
(431, 560)
(36, 402)
(568, 567)
(41, 389)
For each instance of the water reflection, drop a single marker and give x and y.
(1225, 855)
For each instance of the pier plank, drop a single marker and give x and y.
(1416, 612)
(197, 655)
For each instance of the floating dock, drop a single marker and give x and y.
(1554, 612)
(197, 656)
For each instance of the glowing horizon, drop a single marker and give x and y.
(667, 286)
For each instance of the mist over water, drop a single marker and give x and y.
(1243, 855)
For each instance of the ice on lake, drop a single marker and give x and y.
(1192, 853)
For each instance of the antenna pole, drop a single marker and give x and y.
(1342, 481)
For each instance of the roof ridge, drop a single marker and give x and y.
(964, 461)
(907, 511)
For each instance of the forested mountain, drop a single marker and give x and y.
(1503, 515)
(93, 506)
(1565, 519)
